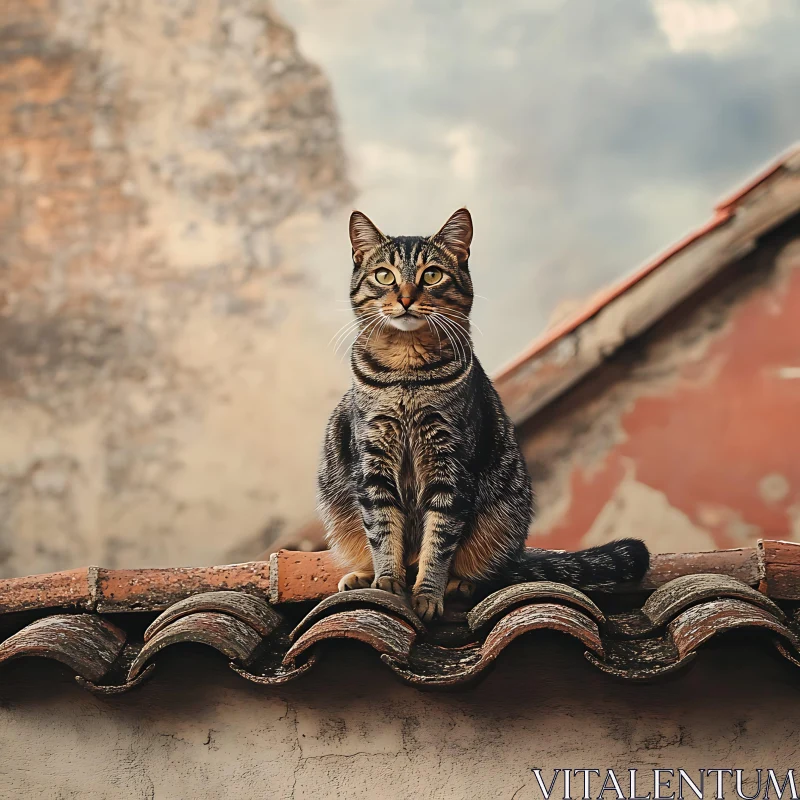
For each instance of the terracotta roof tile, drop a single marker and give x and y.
(155, 589)
(292, 577)
(779, 568)
(87, 644)
(70, 589)
(303, 576)
(273, 642)
(235, 639)
(242, 606)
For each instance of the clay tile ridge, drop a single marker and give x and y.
(289, 577)
(113, 590)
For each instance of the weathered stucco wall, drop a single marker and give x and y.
(689, 436)
(163, 373)
(349, 730)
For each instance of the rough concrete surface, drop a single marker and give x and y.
(349, 730)
(160, 342)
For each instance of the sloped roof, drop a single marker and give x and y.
(569, 351)
(274, 621)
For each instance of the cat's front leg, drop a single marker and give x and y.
(439, 540)
(447, 503)
(380, 502)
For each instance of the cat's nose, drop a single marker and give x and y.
(406, 301)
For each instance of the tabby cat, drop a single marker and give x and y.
(421, 470)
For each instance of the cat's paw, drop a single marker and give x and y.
(460, 588)
(427, 606)
(355, 580)
(390, 585)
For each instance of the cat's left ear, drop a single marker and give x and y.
(456, 234)
(364, 235)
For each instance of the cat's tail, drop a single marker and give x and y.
(616, 562)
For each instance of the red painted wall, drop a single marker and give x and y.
(718, 439)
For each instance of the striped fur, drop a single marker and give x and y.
(421, 470)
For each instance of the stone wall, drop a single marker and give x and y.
(163, 378)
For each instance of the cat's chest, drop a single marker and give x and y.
(397, 419)
(405, 405)
(412, 431)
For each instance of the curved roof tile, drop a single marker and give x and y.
(660, 637)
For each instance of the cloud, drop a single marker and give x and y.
(710, 26)
(583, 135)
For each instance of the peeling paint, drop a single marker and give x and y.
(635, 508)
(689, 436)
(773, 487)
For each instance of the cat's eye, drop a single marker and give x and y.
(431, 276)
(384, 276)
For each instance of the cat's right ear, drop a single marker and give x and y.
(364, 236)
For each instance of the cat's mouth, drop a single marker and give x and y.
(407, 322)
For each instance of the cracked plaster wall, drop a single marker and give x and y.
(164, 379)
(350, 730)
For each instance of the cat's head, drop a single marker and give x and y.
(406, 279)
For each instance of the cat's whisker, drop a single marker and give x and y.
(343, 339)
(436, 331)
(435, 327)
(459, 333)
(375, 325)
(449, 327)
(447, 311)
(379, 328)
(349, 324)
(360, 330)
(383, 327)
(371, 326)
(453, 344)
(463, 316)
(347, 329)
(453, 311)
(468, 344)
(345, 336)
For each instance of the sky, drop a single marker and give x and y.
(585, 136)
